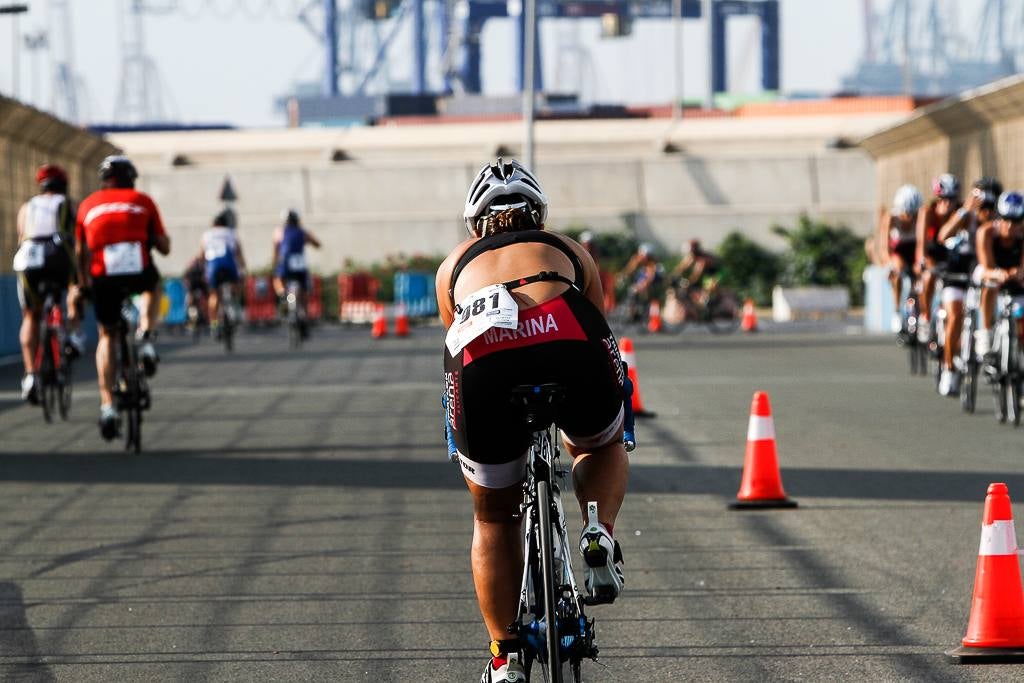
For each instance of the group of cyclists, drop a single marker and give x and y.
(101, 250)
(955, 243)
(688, 289)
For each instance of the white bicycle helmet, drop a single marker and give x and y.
(907, 200)
(504, 185)
(946, 186)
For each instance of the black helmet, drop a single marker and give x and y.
(120, 168)
(991, 188)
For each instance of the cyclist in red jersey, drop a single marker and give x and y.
(931, 253)
(117, 227)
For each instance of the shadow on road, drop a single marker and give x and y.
(17, 638)
(195, 467)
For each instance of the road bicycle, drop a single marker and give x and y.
(296, 315)
(716, 308)
(197, 313)
(1003, 365)
(968, 361)
(910, 313)
(53, 357)
(131, 391)
(228, 316)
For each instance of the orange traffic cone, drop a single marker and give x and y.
(654, 317)
(401, 322)
(762, 484)
(749, 320)
(629, 358)
(995, 630)
(380, 323)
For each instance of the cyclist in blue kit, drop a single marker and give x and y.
(290, 265)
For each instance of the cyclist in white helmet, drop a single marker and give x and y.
(553, 285)
(897, 228)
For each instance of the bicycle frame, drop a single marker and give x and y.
(575, 633)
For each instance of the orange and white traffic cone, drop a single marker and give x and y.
(401, 322)
(762, 484)
(380, 323)
(654, 317)
(995, 630)
(749, 321)
(629, 358)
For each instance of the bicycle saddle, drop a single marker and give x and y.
(539, 402)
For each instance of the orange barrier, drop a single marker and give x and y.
(260, 300)
(357, 297)
(749, 321)
(762, 484)
(629, 357)
(995, 629)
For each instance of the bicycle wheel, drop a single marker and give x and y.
(922, 359)
(1013, 402)
(45, 376)
(550, 586)
(969, 375)
(227, 330)
(914, 356)
(1000, 396)
(722, 318)
(64, 388)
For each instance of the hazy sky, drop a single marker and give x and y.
(218, 65)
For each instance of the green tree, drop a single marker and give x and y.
(748, 268)
(823, 254)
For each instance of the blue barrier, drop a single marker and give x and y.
(878, 304)
(416, 292)
(10, 318)
(177, 311)
(10, 315)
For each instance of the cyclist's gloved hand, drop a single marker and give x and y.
(628, 422)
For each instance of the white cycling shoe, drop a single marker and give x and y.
(28, 389)
(602, 561)
(949, 383)
(896, 323)
(148, 354)
(511, 672)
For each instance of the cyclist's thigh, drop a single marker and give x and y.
(489, 431)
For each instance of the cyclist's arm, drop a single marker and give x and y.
(161, 242)
(82, 250)
(683, 266)
(987, 257)
(312, 240)
(592, 287)
(443, 280)
(882, 236)
(22, 217)
(955, 223)
(919, 231)
(240, 256)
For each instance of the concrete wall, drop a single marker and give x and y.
(365, 211)
(28, 139)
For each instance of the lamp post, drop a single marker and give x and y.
(529, 96)
(14, 11)
(677, 60)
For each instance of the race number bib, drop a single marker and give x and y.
(30, 256)
(489, 307)
(216, 250)
(296, 262)
(123, 258)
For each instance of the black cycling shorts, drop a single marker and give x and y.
(109, 292)
(55, 274)
(566, 341)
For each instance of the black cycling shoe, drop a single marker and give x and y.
(108, 427)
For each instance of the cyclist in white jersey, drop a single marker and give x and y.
(46, 239)
(225, 263)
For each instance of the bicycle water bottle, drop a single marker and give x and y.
(453, 450)
(628, 423)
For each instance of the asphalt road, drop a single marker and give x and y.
(294, 518)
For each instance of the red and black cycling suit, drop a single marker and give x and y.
(933, 223)
(565, 340)
(118, 226)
